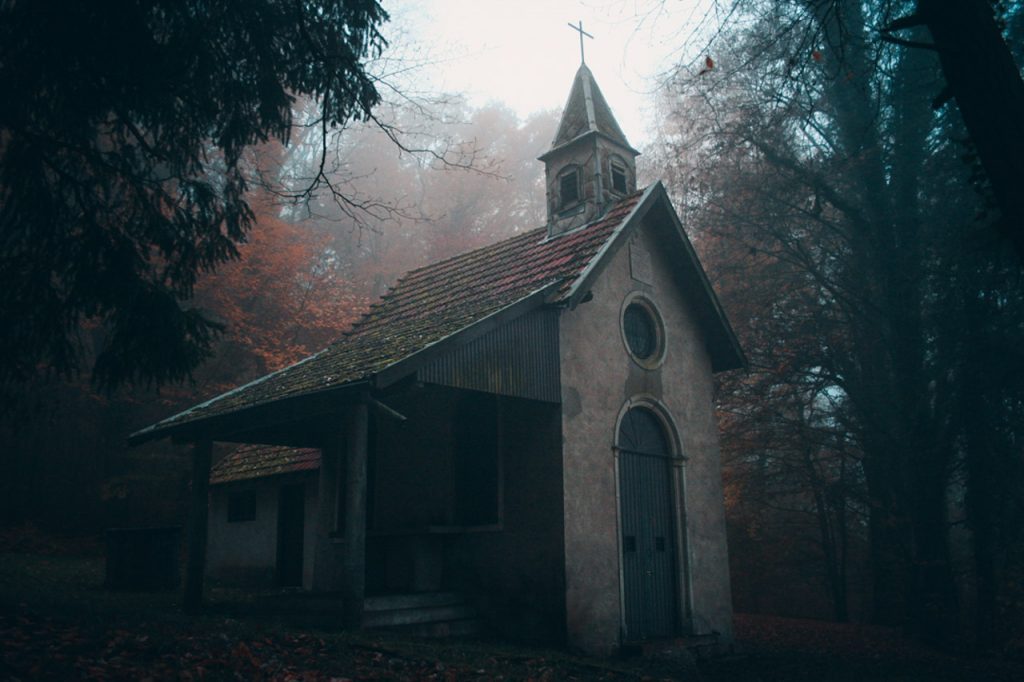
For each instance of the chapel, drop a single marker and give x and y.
(518, 440)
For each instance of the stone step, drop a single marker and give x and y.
(320, 602)
(392, 602)
(418, 615)
(449, 628)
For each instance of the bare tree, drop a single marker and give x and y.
(814, 145)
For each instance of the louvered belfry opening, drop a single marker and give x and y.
(590, 164)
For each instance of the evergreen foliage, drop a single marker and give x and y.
(122, 131)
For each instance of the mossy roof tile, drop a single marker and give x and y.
(427, 305)
(257, 461)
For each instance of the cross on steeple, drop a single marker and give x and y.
(582, 33)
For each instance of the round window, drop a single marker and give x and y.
(641, 331)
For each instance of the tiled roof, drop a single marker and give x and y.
(426, 306)
(256, 461)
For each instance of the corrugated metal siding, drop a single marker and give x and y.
(518, 359)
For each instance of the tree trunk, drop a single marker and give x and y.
(981, 496)
(987, 85)
(906, 460)
(933, 603)
(833, 559)
(888, 546)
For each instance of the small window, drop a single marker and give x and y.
(643, 332)
(242, 506)
(569, 188)
(619, 184)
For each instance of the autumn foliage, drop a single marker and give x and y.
(305, 272)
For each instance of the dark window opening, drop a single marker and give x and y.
(476, 472)
(641, 331)
(241, 506)
(619, 178)
(569, 188)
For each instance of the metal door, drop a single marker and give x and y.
(648, 528)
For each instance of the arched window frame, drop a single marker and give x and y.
(661, 413)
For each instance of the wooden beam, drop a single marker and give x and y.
(353, 586)
(195, 566)
(325, 558)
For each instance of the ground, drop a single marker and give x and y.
(56, 622)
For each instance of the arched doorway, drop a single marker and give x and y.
(648, 527)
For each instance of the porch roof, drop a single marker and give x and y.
(256, 461)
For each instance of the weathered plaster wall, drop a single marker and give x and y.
(598, 378)
(244, 553)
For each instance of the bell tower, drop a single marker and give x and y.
(590, 163)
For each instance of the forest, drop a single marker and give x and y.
(826, 160)
(874, 446)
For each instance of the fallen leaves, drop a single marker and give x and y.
(39, 647)
(35, 647)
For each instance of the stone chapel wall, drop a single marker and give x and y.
(598, 378)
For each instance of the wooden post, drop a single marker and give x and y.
(325, 569)
(353, 584)
(197, 519)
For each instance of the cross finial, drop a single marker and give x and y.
(582, 33)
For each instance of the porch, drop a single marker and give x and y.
(460, 495)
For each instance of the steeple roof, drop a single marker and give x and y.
(587, 111)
